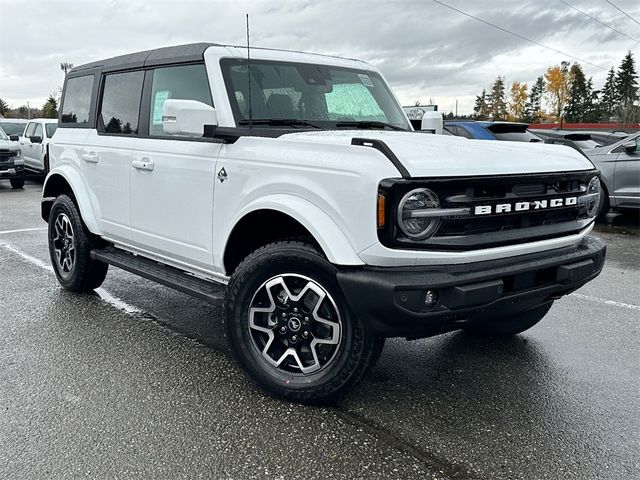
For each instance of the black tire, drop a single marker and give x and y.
(511, 325)
(80, 273)
(298, 265)
(17, 182)
(603, 209)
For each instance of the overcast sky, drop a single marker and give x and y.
(424, 49)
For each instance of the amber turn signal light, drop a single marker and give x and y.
(381, 211)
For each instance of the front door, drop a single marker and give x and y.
(173, 177)
(27, 146)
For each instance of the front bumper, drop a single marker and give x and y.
(8, 169)
(390, 300)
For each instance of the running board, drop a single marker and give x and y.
(211, 292)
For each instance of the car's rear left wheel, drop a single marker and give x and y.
(70, 244)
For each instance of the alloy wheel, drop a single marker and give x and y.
(295, 324)
(64, 244)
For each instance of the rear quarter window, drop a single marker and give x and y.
(77, 100)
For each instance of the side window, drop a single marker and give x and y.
(463, 132)
(38, 131)
(188, 82)
(28, 132)
(452, 129)
(77, 100)
(120, 105)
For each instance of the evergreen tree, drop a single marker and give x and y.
(533, 112)
(480, 108)
(627, 90)
(50, 108)
(609, 95)
(581, 104)
(497, 102)
(4, 107)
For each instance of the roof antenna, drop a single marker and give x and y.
(249, 73)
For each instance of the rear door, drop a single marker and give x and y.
(106, 156)
(627, 178)
(173, 177)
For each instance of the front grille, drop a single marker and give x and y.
(5, 154)
(488, 194)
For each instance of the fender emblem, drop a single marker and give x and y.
(222, 175)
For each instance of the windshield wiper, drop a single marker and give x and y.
(369, 124)
(278, 122)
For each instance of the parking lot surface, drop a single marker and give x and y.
(135, 381)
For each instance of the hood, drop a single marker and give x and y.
(8, 144)
(428, 155)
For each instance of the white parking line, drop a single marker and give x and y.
(604, 301)
(37, 229)
(36, 261)
(102, 293)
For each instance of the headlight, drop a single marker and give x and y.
(413, 219)
(18, 154)
(593, 197)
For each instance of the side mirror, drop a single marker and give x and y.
(35, 139)
(630, 147)
(14, 138)
(187, 117)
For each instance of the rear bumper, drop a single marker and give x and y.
(391, 300)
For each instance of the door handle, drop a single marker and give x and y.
(91, 157)
(143, 164)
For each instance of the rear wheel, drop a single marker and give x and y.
(289, 326)
(70, 244)
(511, 325)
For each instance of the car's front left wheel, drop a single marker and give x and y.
(289, 326)
(17, 182)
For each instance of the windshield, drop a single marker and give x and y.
(319, 94)
(3, 136)
(51, 129)
(13, 128)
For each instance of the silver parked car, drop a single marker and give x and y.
(620, 167)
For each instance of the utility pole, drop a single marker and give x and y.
(28, 111)
(456, 108)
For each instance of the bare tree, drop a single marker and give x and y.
(65, 67)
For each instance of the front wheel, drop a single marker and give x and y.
(17, 182)
(511, 325)
(289, 326)
(70, 244)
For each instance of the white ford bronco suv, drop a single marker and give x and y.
(291, 189)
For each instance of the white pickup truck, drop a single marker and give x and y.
(292, 189)
(35, 143)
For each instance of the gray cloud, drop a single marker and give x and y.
(424, 49)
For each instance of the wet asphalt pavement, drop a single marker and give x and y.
(136, 382)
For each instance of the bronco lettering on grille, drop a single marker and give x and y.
(524, 206)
